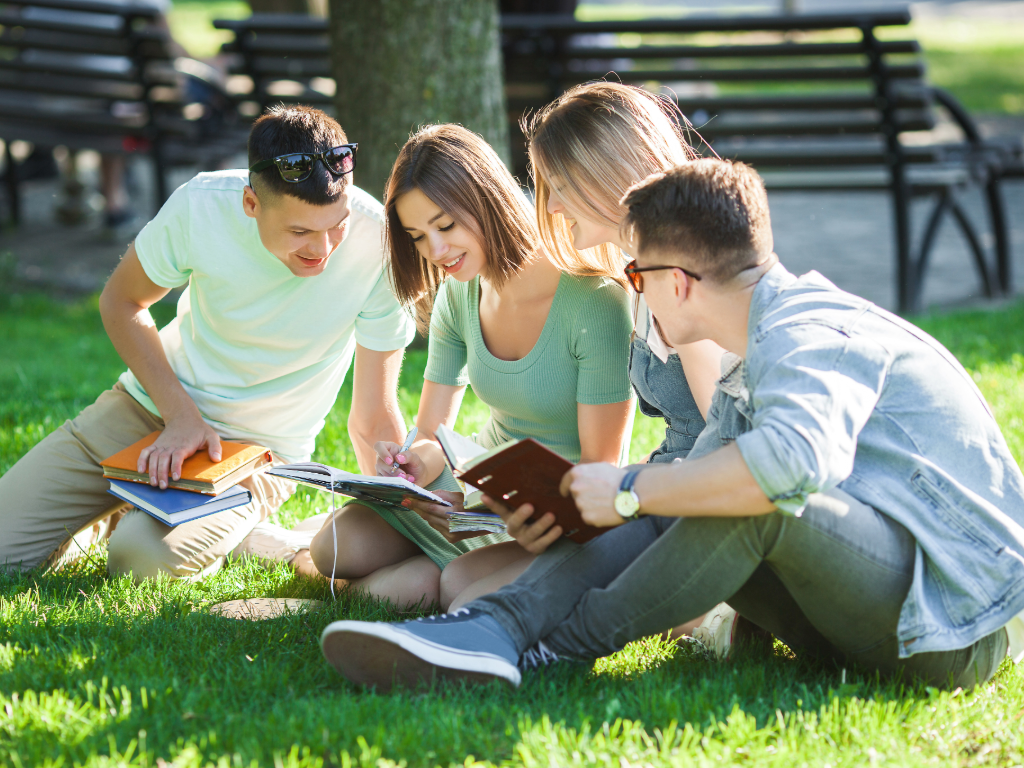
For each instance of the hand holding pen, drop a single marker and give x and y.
(388, 463)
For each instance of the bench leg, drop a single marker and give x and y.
(160, 173)
(920, 265)
(976, 250)
(997, 215)
(13, 190)
(905, 278)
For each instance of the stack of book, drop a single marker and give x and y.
(205, 486)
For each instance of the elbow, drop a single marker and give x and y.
(359, 430)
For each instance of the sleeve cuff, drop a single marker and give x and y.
(774, 478)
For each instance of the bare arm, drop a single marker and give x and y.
(439, 404)
(603, 430)
(375, 414)
(124, 307)
(717, 485)
(702, 364)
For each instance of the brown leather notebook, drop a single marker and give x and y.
(199, 472)
(526, 472)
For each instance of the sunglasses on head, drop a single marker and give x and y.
(636, 279)
(298, 166)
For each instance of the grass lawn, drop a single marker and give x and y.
(100, 672)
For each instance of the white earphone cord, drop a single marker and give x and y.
(334, 535)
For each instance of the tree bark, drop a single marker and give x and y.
(400, 64)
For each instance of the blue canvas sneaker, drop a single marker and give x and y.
(464, 645)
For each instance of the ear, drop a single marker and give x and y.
(251, 205)
(682, 286)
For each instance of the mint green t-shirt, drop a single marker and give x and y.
(261, 352)
(582, 356)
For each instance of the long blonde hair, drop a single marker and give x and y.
(598, 139)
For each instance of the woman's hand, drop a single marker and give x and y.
(534, 537)
(392, 462)
(437, 515)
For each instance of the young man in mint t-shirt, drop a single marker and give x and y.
(285, 286)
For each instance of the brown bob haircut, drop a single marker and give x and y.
(712, 213)
(465, 178)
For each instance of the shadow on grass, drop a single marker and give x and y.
(88, 663)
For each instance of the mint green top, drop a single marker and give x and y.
(582, 356)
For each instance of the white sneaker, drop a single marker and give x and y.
(717, 632)
(272, 543)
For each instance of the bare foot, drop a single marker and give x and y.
(303, 565)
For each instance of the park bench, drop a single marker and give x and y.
(279, 58)
(89, 74)
(815, 102)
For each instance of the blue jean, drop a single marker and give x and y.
(830, 583)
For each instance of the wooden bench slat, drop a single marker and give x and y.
(693, 24)
(109, 27)
(777, 74)
(780, 50)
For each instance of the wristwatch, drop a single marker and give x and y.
(627, 503)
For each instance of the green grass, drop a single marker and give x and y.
(99, 672)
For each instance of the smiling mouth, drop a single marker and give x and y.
(308, 262)
(453, 266)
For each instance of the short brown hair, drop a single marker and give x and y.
(714, 211)
(465, 178)
(285, 129)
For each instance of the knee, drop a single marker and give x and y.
(137, 548)
(420, 583)
(454, 579)
(342, 556)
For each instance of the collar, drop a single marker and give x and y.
(771, 284)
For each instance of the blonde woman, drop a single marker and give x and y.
(543, 342)
(586, 149)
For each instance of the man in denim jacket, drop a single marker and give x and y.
(852, 492)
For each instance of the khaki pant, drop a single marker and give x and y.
(57, 490)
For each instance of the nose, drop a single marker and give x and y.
(322, 246)
(437, 244)
(555, 204)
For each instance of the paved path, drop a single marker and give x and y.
(845, 236)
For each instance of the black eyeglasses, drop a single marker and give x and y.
(298, 166)
(637, 280)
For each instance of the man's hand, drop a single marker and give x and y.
(534, 537)
(437, 515)
(593, 488)
(180, 439)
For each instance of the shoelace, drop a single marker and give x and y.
(538, 656)
(459, 612)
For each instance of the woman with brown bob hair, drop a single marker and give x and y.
(586, 149)
(544, 343)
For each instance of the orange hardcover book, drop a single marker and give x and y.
(199, 473)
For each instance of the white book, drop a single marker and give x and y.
(384, 490)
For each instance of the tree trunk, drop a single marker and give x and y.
(400, 64)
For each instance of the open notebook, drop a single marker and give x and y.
(385, 490)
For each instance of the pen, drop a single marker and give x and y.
(405, 446)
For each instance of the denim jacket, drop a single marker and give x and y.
(836, 392)
(662, 391)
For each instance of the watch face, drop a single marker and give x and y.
(626, 504)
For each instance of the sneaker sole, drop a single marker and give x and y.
(378, 655)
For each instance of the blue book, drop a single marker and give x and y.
(174, 507)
